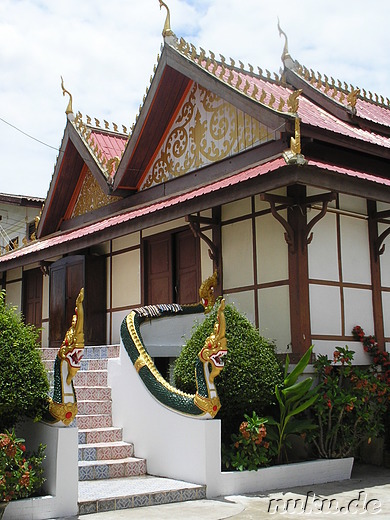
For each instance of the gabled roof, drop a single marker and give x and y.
(82, 144)
(330, 115)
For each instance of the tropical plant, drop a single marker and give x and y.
(293, 397)
(23, 381)
(21, 475)
(250, 374)
(250, 448)
(351, 405)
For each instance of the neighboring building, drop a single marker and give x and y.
(280, 183)
(19, 216)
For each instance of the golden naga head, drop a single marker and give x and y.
(72, 347)
(207, 292)
(215, 347)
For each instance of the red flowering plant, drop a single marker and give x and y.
(21, 475)
(351, 406)
(380, 358)
(250, 448)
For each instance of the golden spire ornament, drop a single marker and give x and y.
(69, 108)
(167, 31)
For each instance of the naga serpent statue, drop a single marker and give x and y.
(62, 407)
(205, 403)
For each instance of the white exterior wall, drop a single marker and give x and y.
(340, 276)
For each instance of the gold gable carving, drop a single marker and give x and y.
(207, 129)
(91, 197)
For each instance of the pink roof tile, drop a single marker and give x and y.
(234, 180)
(309, 112)
(110, 145)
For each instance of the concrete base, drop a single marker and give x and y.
(188, 449)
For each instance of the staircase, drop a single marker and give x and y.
(110, 477)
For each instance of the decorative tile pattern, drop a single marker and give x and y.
(106, 505)
(124, 503)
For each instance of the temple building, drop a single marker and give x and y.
(280, 183)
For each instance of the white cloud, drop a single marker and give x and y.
(105, 50)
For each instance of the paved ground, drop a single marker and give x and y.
(367, 493)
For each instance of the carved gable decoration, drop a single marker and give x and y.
(206, 129)
(91, 197)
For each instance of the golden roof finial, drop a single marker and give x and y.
(286, 58)
(69, 108)
(167, 31)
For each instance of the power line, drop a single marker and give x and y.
(28, 135)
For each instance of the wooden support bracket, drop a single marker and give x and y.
(379, 246)
(289, 202)
(194, 222)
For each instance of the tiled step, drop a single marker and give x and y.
(93, 364)
(91, 393)
(92, 378)
(106, 451)
(94, 407)
(84, 422)
(98, 435)
(107, 469)
(90, 352)
(125, 493)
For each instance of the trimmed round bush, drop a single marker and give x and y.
(247, 381)
(23, 381)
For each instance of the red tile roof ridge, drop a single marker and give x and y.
(238, 78)
(353, 99)
(105, 146)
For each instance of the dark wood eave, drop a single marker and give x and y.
(71, 159)
(285, 176)
(332, 106)
(173, 76)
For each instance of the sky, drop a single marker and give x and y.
(106, 49)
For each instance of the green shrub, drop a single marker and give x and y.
(251, 372)
(23, 381)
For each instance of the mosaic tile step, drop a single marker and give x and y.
(91, 378)
(90, 352)
(93, 364)
(106, 451)
(94, 407)
(125, 493)
(98, 435)
(93, 421)
(108, 469)
(93, 393)
(101, 352)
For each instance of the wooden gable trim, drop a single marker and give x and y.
(164, 135)
(73, 156)
(76, 192)
(174, 61)
(266, 115)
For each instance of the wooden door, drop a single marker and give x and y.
(187, 268)
(158, 269)
(172, 268)
(66, 280)
(32, 297)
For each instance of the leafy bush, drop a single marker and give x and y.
(250, 448)
(251, 371)
(351, 407)
(21, 474)
(23, 381)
